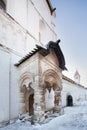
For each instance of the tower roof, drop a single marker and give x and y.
(76, 73)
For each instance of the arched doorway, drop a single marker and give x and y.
(27, 93)
(52, 87)
(31, 102)
(69, 100)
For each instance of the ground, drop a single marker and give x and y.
(74, 118)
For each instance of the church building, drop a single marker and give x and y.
(31, 61)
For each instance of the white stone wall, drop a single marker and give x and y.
(14, 87)
(13, 36)
(9, 89)
(77, 92)
(28, 14)
(18, 10)
(19, 33)
(4, 85)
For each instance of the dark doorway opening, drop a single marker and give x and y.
(69, 100)
(31, 102)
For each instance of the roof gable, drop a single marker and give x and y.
(53, 46)
(57, 50)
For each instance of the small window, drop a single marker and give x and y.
(2, 5)
(42, 29)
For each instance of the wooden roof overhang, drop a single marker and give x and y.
(54, 46)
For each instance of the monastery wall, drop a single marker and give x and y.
(9, 91)
(21, 27)
(78, 92)
(29, 15)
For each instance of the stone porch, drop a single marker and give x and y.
(40, 80)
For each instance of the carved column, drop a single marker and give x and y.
(38, 100)
(57, 101)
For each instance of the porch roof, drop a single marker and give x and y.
(54, 46)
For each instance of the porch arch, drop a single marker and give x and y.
(26, 92)
(51, 78)
(52, 87)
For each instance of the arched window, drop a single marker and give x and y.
(2, 5)
(42, 29)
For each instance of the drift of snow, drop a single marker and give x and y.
(75, 118)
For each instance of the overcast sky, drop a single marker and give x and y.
(71, 28)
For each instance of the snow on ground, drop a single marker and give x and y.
(75, 118)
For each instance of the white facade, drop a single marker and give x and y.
(4, 86)
(78, 92)
(29, 14)
(22, 25)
